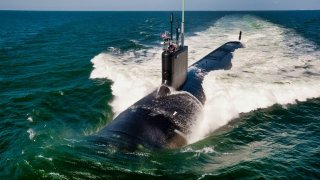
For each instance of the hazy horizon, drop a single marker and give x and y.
(158, 5)
(48, 10)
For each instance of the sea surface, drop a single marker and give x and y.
(66, 75)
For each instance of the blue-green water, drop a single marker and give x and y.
(65, 75)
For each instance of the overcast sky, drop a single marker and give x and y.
(151, 5)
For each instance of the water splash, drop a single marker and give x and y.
(31, 133)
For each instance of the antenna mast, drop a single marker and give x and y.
(171, 23)
(182, 25)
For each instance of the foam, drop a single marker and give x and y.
(134, 74)
(31, 133)
(205, 150)
(277, 66)
(30, 119)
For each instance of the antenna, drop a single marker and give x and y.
(171, 22)
(182, 25)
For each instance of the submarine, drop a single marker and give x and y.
(164, 118)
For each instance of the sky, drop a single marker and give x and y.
(158, 5)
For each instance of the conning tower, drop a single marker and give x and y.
(174, 56)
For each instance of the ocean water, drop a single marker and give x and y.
(66, 75)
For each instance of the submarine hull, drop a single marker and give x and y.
(157, 122)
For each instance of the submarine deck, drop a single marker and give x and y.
(220, 58)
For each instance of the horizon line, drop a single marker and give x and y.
(55, 10)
